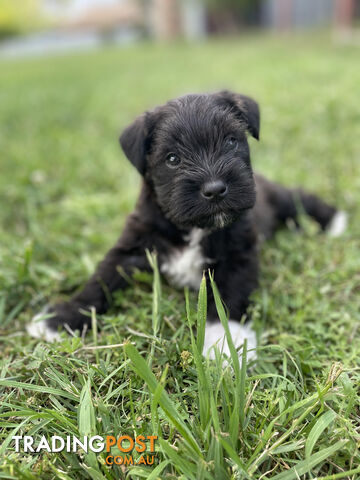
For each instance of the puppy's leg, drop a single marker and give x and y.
(236, 277)
(286, 203)
(111, 274)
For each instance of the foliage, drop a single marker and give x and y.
(223, 4)
(18, 16)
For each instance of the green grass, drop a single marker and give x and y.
(65, 190)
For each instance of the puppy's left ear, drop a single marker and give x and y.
(135, 141)
(247, 108)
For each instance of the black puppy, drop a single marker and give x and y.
(200, 208)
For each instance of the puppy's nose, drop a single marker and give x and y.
(214, 190)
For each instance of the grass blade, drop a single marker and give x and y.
(307, 465)
(86, 421)
(204, 391)
(142, 369)
(38, 388)
(236, 416)
(234, 456)
(184, 467)
(201, 315)
(156, 314)
(154, 475)
(322, 423)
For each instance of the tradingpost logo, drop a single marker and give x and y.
(139, 450)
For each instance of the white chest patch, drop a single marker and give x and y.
(184, 266)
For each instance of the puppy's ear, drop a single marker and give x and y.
(135, 141)
(247, 108)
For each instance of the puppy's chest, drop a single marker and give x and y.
(183, 266)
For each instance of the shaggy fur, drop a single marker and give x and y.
(200, 207)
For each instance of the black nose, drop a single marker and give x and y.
(214, 190)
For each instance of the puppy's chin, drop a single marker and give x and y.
(211, 222)
(216, 221)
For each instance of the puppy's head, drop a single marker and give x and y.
(193, 152)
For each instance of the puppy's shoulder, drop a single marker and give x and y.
(147, 226)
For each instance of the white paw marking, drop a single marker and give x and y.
(215, 337)
(338, 224)
(184, 266)
(39, 329)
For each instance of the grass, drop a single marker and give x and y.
(65, 190)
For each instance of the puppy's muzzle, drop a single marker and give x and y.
(215, 190)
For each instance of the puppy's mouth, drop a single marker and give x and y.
(186, 207)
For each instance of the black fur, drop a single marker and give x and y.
(183, 149)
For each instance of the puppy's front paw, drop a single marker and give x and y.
(51, 319)
(215, 338)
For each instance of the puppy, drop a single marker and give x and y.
(200, 207)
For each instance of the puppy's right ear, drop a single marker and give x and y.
(135, 141)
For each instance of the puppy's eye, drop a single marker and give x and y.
(172, 160)
(231, 143)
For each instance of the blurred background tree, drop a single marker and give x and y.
(19, 16)
(85, 23)
(229, 15)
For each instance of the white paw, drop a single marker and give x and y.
(338, 224)
(39, 329)
(215, 338)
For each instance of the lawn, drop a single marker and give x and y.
(65, 191)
